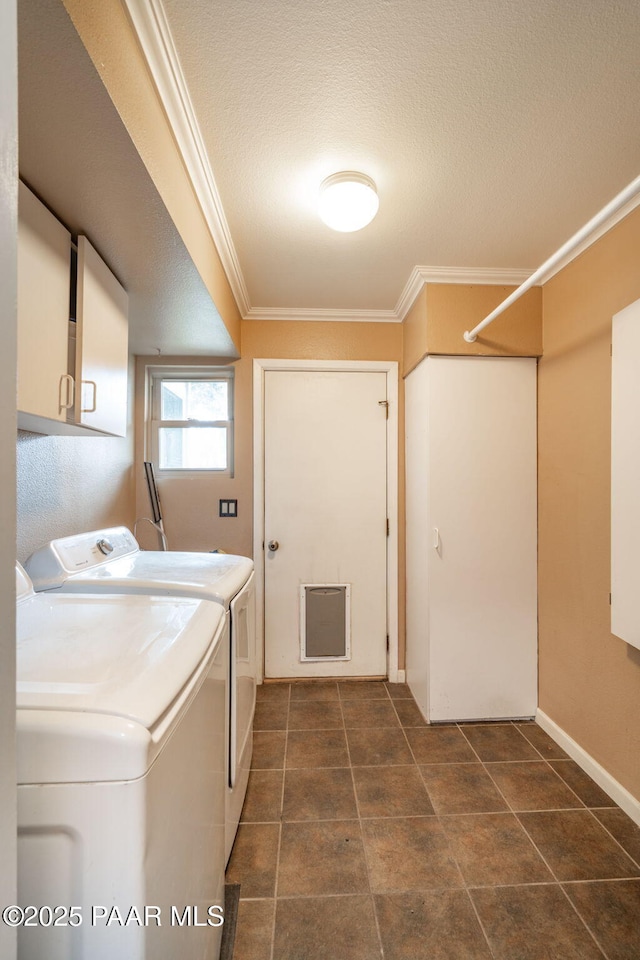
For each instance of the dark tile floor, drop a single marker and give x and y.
(367, 834)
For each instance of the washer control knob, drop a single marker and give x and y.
(105, 546)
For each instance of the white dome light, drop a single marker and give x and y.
(348, 201)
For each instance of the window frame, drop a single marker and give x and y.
(155, 377)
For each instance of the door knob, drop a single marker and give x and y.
(273, 545)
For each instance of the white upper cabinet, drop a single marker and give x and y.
(45, 388)
(101, 345)
(68, 384)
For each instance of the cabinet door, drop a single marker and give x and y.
(44, 271)
(101, 345)
(481, 491)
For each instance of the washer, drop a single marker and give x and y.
(121, 774)
(111, 560)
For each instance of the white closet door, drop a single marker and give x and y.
(482, 537)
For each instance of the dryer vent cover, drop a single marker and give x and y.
(324, 616)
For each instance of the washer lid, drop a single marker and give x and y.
(128, 656)
(211, 576)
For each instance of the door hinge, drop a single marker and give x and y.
(611, 350)
(387, 643)
(385, 404)
(387, 526)
(609, 599)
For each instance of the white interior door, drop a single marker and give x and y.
(325, 506)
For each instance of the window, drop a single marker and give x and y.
(192, 420)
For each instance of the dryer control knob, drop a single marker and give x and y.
(105, 546)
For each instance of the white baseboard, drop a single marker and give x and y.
(619, 794)
(401, 676)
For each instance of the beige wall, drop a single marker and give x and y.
(589, 679)
(190, 506)
(443, 311)
(414, 329)
(111, 43)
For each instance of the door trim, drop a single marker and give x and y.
(390, 368)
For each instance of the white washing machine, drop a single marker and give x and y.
(121, 775)
(111, 561)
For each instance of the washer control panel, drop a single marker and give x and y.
(51, 565)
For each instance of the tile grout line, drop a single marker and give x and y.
(584, 922)
(364, 848)
(454, 859)
(582, 806)
(480, 923)
(635, 862)
(538, 851)
(522, 827)
(561, 887)
(459, 727)
(529, 837)
(408, 741)
(275, 886)
(443, 818)
(465, 885)
(547, 761)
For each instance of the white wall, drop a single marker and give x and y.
(8, 215)
(70, 484)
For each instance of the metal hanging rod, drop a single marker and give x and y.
(629, 192)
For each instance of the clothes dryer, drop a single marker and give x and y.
(111, 561)
(121, 775)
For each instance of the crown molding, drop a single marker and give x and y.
(422, 275)
(338, 316)
(150, 24)
(417, 280)
(154, 35)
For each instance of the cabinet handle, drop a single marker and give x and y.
(67, 380)
(436, 539)
(91, 409)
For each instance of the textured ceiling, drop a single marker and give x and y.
(493, 128)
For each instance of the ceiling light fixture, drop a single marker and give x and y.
(348, 201)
